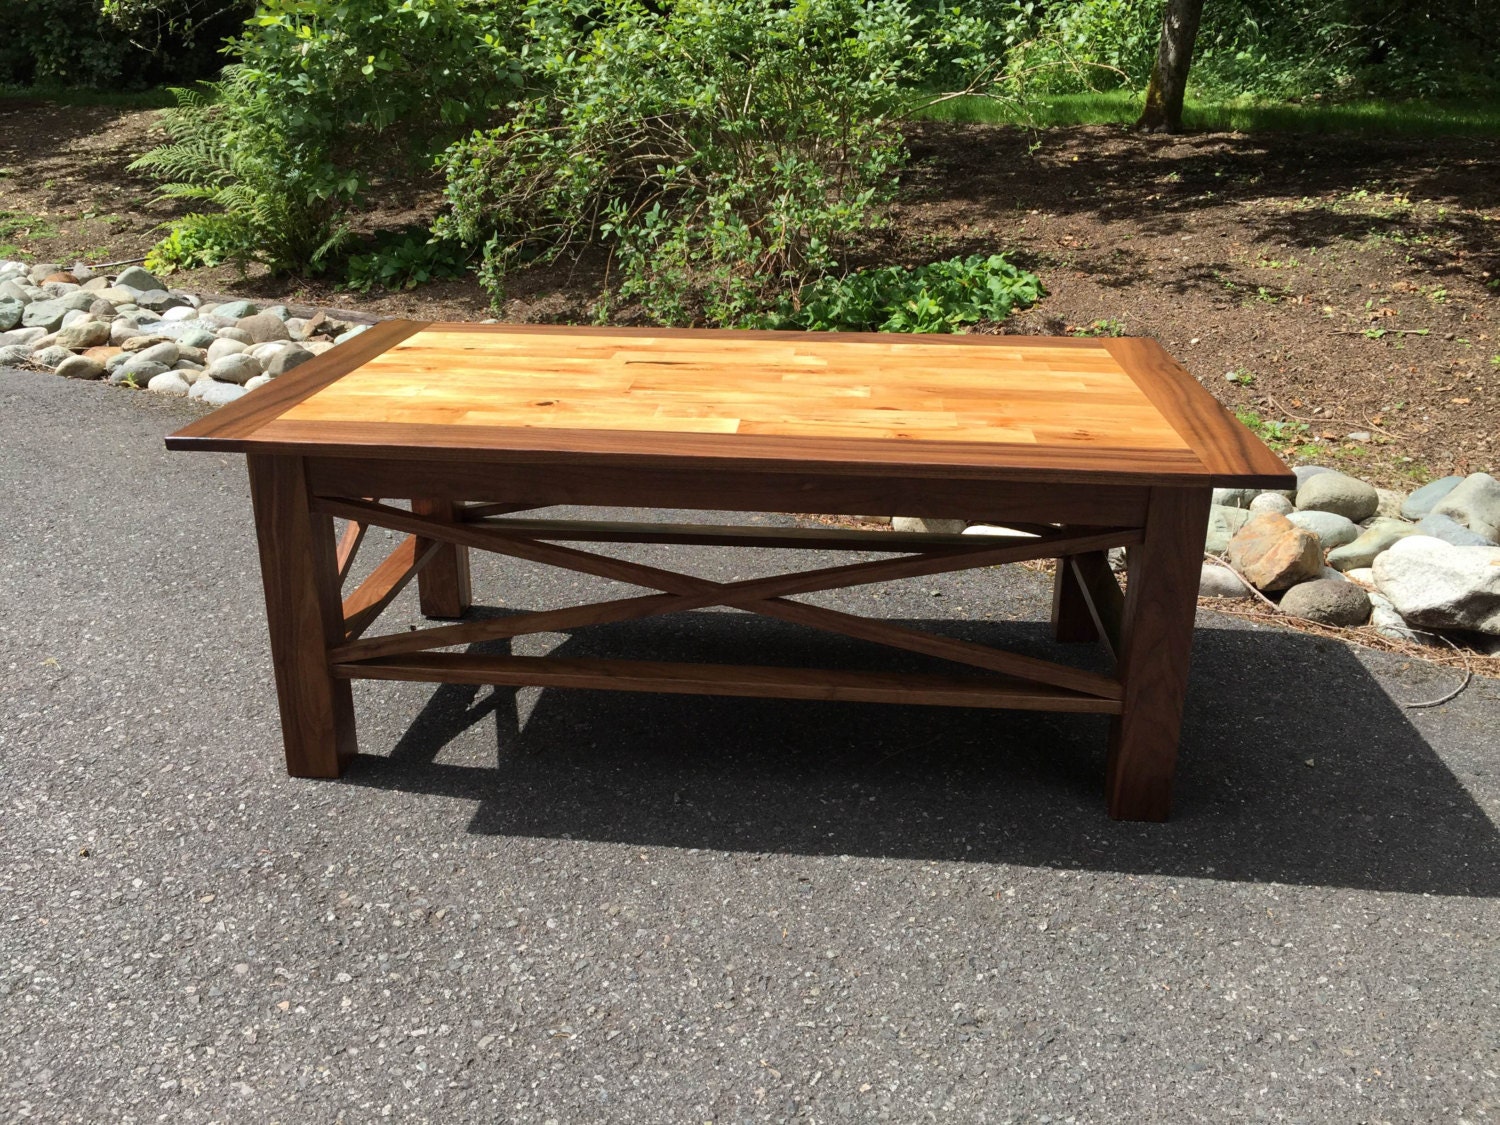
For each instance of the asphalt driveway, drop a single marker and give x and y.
(585, 907)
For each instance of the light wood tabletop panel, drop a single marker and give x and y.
(1006, 407)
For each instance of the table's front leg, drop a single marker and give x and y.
(1156, 642)
(443, 586)
(299, 566)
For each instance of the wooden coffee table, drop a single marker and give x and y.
(1079, 444)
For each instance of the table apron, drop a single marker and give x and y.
(730, 489)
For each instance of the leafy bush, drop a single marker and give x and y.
(941, 297)
(328, 95)
(194, 240)
(725, 149)
(406, 262)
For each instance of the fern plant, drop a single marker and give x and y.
(279, 197)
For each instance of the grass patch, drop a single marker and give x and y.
(1122, 107)
(61, 95)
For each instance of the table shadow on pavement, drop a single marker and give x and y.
(1295, 767)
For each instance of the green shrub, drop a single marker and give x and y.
(328, 96)
(406, 261)
(726, 150)
(941, 297)
(195, 240)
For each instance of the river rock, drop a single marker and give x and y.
(10, 291)
(238, 368)
(160, 301)
(1332, 529)
(83, 334)
(139, 280)
(1450, 530)
(180, 313)
(1335, 492)
(193, 336)
(136, 370)
(236, 310)
(140, 343)
(318, 347)
(1223, 522)
(345, 337)
(169, 383)
(1271, 502)
(102, 310)
(258, 382)
(1389, 623)
(215, 393)
(13, 354)
(80, 367)
(263, 327)
(1421, 502)
(164, 353)
(44, 314)
(294, 356)
(51, 356)
(1220, 582)
(1235, 497)
(1274, 553)
(1441, 586)
(27, 336)
(10, 313)
(1390, 503)
(1377, 537)
(220, 348)
(239, 334)
(920, 524)
(1475, 503)
(1304, 473)
(1328, 601)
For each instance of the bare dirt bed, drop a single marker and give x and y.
(1323, 286)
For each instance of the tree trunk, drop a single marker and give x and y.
(1179, 28)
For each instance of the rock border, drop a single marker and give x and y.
(131, 330)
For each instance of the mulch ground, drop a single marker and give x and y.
(1324, 286)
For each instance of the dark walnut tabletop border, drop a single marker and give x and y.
(1222, 451)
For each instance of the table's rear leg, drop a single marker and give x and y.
(1071, 620)
(443, 586)
(1156, 641)
(299, 567)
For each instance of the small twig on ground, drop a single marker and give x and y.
(1385, 331)
(1468, 676)
(1324, 421)
(121, 262)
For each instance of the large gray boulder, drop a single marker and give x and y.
(1450, 530)
(1420, 502)
(238, 368)
(1223, 522)
(10, 313)
(1475, 503)
(263, 327)
(1372, 541)
(1332, 529)
(1334, 492)
(1329, 601)
(139, 280)
(83, 334)
(44, 314)
(1441, 586)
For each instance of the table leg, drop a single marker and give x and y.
(443, 585)
(1071, 620)
(1156, 641)
(299, 567)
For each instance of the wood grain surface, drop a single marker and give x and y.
(1061, 408)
